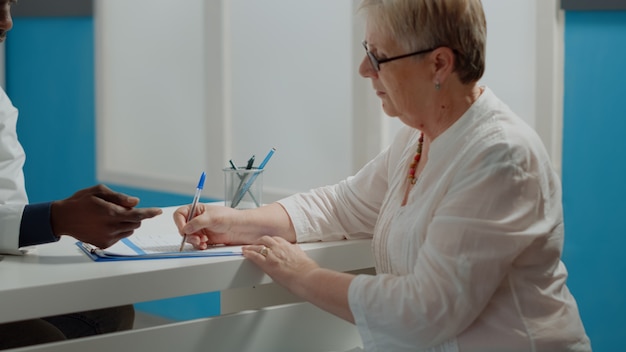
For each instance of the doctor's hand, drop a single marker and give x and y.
(211, 225)
(98, 215)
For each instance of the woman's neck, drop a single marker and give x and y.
(449, 108)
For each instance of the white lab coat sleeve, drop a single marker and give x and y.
(12, 189)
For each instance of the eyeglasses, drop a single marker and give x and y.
(376, 61)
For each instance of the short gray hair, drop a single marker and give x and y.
(419, 24)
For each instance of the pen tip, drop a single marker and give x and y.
(201, 182)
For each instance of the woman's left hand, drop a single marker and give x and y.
(283, 261)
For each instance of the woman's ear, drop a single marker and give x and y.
(443, 64)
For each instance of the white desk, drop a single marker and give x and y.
(58, 278)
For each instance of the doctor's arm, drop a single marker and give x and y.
(95, 215)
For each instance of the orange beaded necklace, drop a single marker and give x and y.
(416, 160)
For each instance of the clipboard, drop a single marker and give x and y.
(107, 255)
(157, 238)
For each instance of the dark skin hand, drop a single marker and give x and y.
(98, 215)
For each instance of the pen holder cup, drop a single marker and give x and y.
(243, 188)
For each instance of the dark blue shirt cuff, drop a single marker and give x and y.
(35, 227)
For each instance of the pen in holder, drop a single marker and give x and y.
(243, 188)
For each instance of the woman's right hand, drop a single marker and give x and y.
(212, 224)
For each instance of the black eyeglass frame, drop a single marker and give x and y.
(376, 62)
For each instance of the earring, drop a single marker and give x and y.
(437, 85)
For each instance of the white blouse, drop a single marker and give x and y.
(472, 262)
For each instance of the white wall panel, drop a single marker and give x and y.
(285, 81)
(159, 103)
(291, 74)
(184, 86)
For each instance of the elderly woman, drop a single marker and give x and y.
(464, 208)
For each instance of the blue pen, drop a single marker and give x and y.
(192, 212)
(267, 158)
(246, 187)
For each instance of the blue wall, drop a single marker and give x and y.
(50, 79)
(594, 191)
(50, 70)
